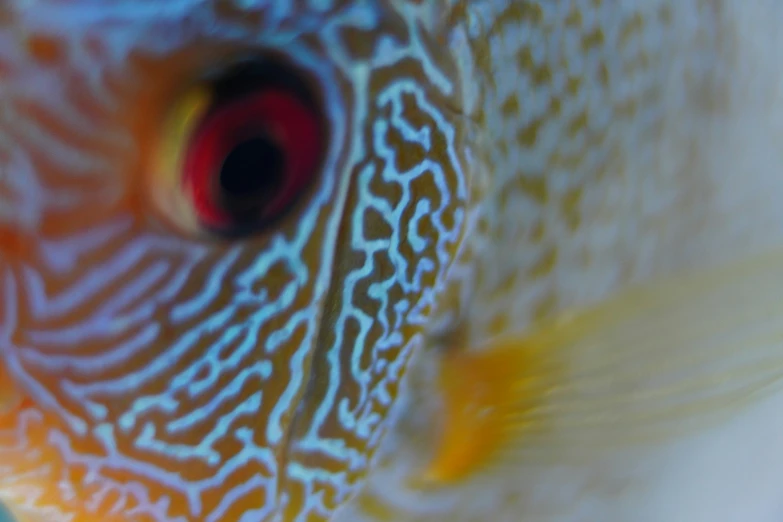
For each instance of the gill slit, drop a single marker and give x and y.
(342, 153)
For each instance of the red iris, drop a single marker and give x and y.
(250, 158)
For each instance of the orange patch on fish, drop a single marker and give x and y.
(488, 396)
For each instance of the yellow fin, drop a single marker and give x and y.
(641, 366)
(485, 396)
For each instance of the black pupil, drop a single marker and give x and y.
(251, 173)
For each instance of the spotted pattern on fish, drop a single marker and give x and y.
(565, 90)
(577, 165)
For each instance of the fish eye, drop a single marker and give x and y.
(243, 146)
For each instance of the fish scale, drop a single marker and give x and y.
(567, 91)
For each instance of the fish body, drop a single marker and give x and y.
(482, 167)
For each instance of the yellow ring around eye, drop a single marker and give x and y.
(168, 156)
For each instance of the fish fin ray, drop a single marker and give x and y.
(645, 366)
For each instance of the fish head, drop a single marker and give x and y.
(223, 228)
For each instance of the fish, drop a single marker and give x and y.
(390, 260)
